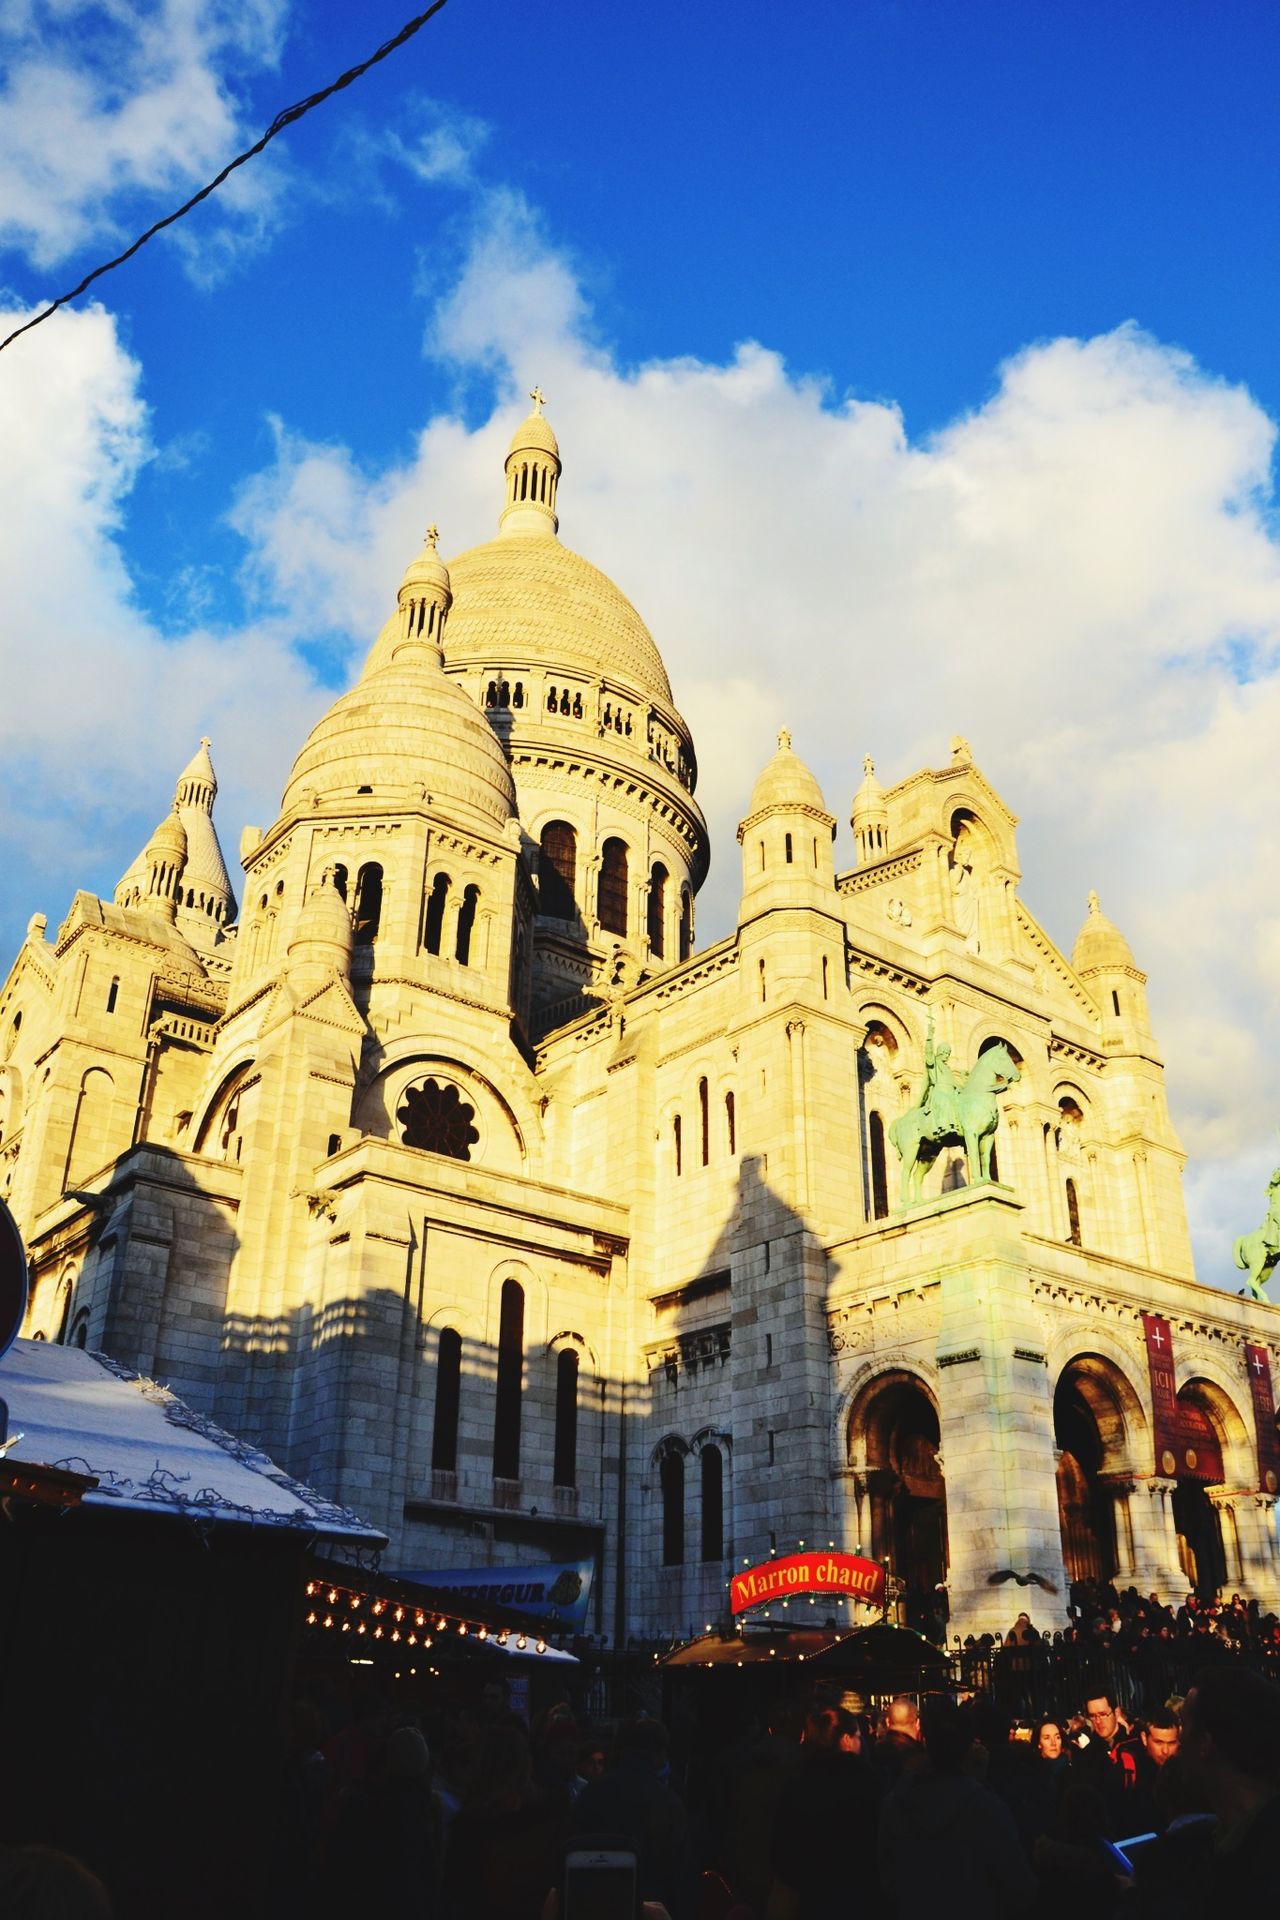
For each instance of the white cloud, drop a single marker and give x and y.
(106, 110)
(101, 711)
(1080, 575)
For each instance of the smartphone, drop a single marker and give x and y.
(599, 1886)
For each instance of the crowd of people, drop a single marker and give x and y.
(804, 1808)
(1148, 1648)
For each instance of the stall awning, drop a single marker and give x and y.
(149, 1452)
(880, 1653)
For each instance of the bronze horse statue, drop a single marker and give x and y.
(955, 1114)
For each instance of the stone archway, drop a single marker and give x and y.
(894, 1436)
(1096, 1416)
(1207, 1422)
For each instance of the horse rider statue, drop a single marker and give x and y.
(953, 1110)
(1258, 1252)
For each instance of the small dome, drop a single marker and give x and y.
(534, 435)
(170, 837)
(405, 725)
(325, 920)
(785, 782)
(870, 795)
(426, 571)
(1100, 943)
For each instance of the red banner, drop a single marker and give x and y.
(1258, 1362)
(772, 1580)
(1164, 1397)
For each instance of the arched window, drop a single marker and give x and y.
(686, 923)
(566, 1453)
(704, 1118)
(788, 849)
(730, 1125)
(879, 1176)
(712, 1464)
(466, 923)
(506, 1416)
(339, 882)
(1073, 1216)
(368, 907)
(612, 902)
(113, 994)
(444, 1433)
(676, 1131)
(657, 910)
(436, 901)
(557, 871)
(764, 985)
(671, 1480)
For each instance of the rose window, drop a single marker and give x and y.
(438, 1119)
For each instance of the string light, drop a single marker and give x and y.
(351, 1600)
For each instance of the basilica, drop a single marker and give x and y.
(449, 1168)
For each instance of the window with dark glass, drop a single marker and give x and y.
(671, 1480)
(557, 871)
(879, 1175)
(444, 1433)
(712, 1462)
(435, 1117)
(613, 887)
(506, 1417)
(565, 1473)
(657, 910)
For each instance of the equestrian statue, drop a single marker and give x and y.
(1258, 1252)
(954, 1109)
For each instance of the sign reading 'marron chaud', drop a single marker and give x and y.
(844, 1573)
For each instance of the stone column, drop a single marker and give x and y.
(1122, 1492)
(996, 1416)
(1249, 1528)
(1157, 1568)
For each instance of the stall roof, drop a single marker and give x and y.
(881, 1650)
(149, 1451)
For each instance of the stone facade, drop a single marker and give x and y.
(453, 1173)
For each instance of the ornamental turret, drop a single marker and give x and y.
(870, 817)
(533, 475)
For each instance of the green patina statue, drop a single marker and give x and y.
(1258, 1252)
(953, 1110)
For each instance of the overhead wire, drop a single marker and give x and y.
(284, 119)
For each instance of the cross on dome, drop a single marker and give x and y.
(431, 535)
(1093, 902)
(868, 765)
(537, 396)
(784, 739)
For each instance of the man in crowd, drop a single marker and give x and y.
(898, 1747)
(1135, 1769)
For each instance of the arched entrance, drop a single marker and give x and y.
(894, 1430)
(1094, 1413)
(1201, 1548)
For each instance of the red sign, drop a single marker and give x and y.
(1164, 1395)
(799, 1573)
(1258, 1363)
(13, 1279)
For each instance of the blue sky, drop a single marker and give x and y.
(913, 365)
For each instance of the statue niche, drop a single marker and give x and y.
(954, 1109)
